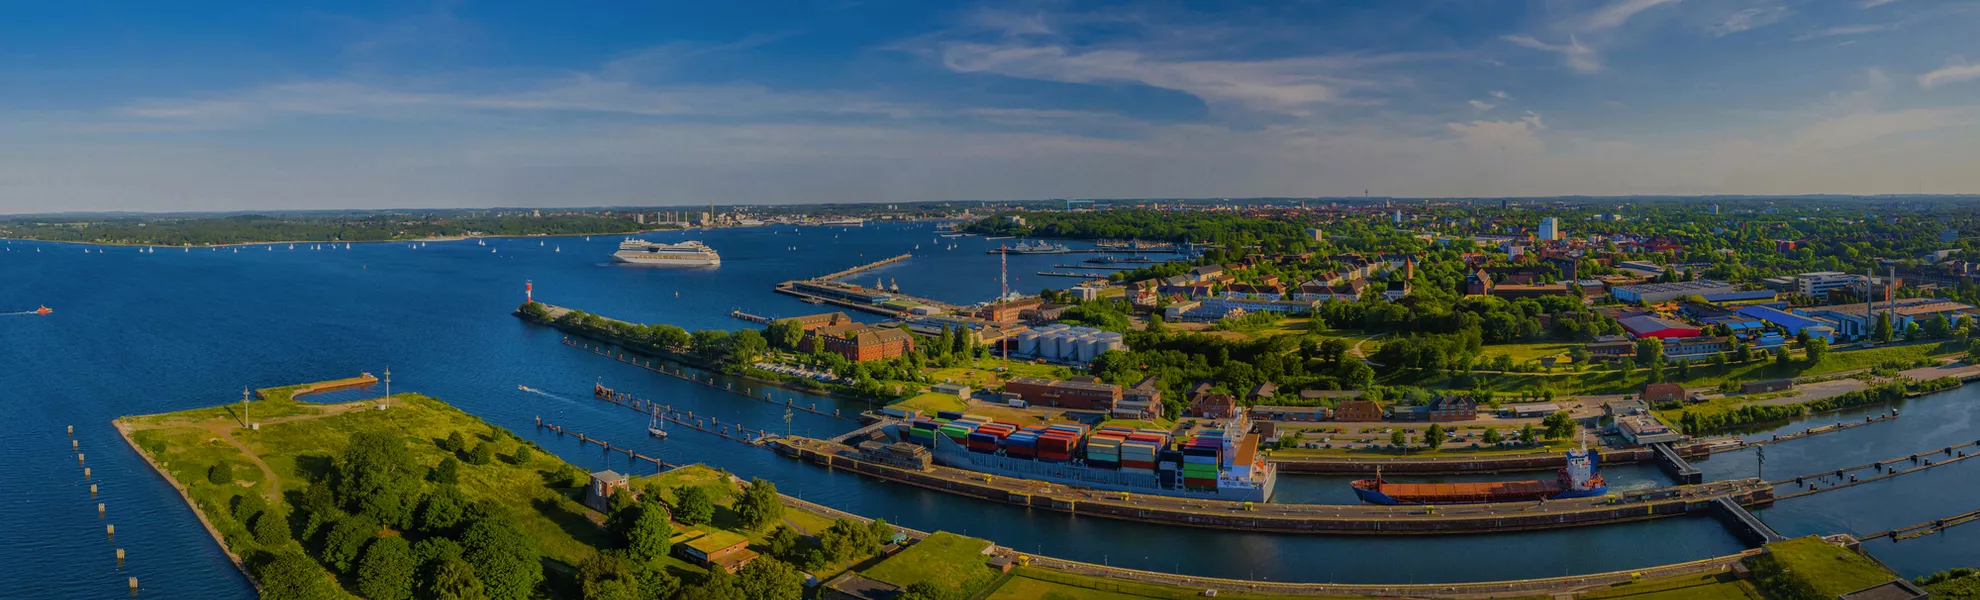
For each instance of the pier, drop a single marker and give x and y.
(865, 267)
(1288, 518)
(750, 318)
(1850, 477)
(1065, 274)
(1676, 465)
(1928, 527)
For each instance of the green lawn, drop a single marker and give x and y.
(982, 373)
(1521, 353)
(1830, 569)
(931, 402)
(1602, 380)
(943, 559)
(1717, 586)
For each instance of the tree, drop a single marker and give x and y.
(605, 577)
(386, 572)
(1529, 434)
(745, 346)
(455, 442)
(1973, 352)
(770, 579)
(378, 478)
(221, 473)
(759, 505)
(1399, 438)
(522, 454)
(507, 561)
(455, 579)
(1883, 331)
(1559, 425)
(430, 552)
(445, 507)
(482, 454)
(293, 576)
(346, 539)
(1742, 352)
(247, 506)
(271, 528)
(1358, 376)
(1781, 356)
(784, 334)
(1817, 348)
(926, 590)
(651, 534)
(693, 506)
(448, 472)
(1650, 351)
(782, 541)
(1492, 436)
(846, 539)
(1434, 436)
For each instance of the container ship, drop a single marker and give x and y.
(1218, 463)
(687, 254)
(1577, 480)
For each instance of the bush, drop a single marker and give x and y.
(455, 442)
(221, 473)
(448, 472)
(246, 506)
(523, 455)
(481, 455)
(271, 528)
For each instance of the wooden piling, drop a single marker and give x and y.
(72, 431)
(120, 557)
(75, 445)
(110, 530)
(133, 586)
(85, 472)
(92, 490)
(79, 458)
(99, 510)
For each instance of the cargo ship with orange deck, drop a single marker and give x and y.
(1577, 480)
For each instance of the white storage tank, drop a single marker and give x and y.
(1089, 349)
(1069, 346)
(1027, 343)
(1048, 345)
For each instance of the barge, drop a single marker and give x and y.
(1577, 480)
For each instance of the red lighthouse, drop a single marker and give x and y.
(529, 291)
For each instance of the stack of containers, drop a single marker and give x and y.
(1139, 451)
(1023, 443)
(958, 431)
(1056, 445)
(987, 437)
(922, 431)
(948, 415)
(1103, 449)
(1200, 458)
(1168, 465)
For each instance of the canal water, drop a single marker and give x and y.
(136, 333)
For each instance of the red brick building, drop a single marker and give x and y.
(1453, 408)
(810, 322)
(1008, 312)
(1358, 411)
(1213, 406)
(1075, 394)
(1657, 393)
(861, 343)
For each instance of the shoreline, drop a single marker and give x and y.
(123, 431)
(447, 238)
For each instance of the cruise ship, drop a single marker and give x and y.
(685, 254)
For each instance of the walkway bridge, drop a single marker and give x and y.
(1676, 465)
(850, 438)
(1743, 523)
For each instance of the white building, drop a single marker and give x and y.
(1818, 284)
(1550, 229)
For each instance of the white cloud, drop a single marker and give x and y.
(1619, 12)
(1950, 74)
(1482, 105)
(1842, 30)
(1488, 137)
(1500, 94)
(1280, 85)
(1876, 3)
(1749, 19)
(1577, 57)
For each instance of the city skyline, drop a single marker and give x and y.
(455, 105)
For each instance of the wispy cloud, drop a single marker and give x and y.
(1876, 3)
(1616, 13)
(1842, 30)
(1749, 19)
(1482, 105)
(1522, 135)
(1500, 94)
(1577, 57)
(1950, 74)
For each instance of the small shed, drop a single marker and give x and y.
(604, 484)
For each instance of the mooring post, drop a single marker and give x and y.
(99, 510)
(120, 557)
(110, 530)
(92, 490)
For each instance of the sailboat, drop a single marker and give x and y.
(655, 429)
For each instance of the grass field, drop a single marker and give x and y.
(944, 559)
(982, 373)
(1599, 380)
(1832, 570)
(1521, 353)
(931, 402)
(1028, 583)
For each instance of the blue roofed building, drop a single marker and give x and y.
(1793, 323)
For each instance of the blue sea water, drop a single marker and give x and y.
(137, 333)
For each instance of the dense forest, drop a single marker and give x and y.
(244, 229)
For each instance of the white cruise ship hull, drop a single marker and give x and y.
(643, 258)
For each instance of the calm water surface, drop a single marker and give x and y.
(137, 333)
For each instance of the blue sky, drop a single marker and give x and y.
(126, 105)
